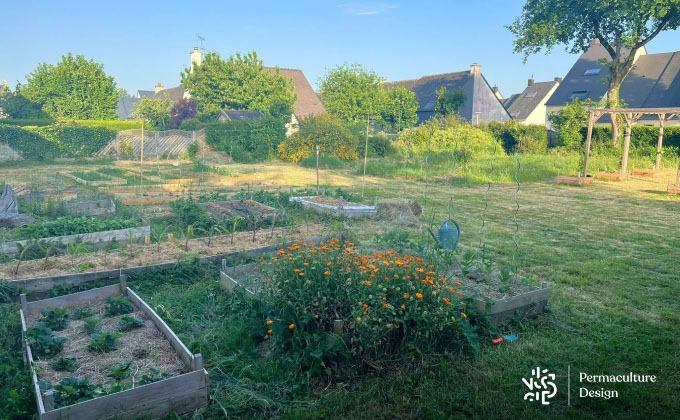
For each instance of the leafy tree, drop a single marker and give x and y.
(568, 122)
(351, 93)
(621, 27)
(122, 93)
(449, 102)
(326, 131)
(74, 88)
(184, 109)
(155, 111)
(16, 105)
(241, 83)
(399, 109)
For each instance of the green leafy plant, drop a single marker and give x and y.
(86, 266)
(154, 376)
(120, 370)
(74, 249)
(128, 323)
(117, 305)
(82, 313)
(65, 364)
(71, 391)
(92, 324)
(69, 225)
(43, 343)
(103, 342)
(23, 251)
(7, 291)
(54, 318)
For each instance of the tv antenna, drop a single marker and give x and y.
(201, 39)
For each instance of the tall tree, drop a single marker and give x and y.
(351, 93)
(155, 111)
(15, 105)
(622, 27)
(399, 109)
(449, 102)
(240, 83)
(183, 109)
(74, 88)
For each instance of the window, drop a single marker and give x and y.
(580, 94)
(591, 72)
(530, 94)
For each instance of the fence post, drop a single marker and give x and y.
(123, 284)
(24, 303)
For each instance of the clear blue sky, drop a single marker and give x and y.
(144, 42)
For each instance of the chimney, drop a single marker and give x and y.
(530, 82)
(476, 69)
(158, 87)
(196, 58)
(558, 79)
(495, 88)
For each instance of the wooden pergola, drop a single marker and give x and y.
(631, 115)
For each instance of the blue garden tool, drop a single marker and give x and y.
(448, 235)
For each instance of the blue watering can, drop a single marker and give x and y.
(448, 235)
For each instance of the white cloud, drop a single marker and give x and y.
(364, 9)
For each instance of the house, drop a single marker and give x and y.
(529, 107)
(125, 107)
(652, 82)
(482, 102)
(226, 115)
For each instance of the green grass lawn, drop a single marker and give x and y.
(609, 252)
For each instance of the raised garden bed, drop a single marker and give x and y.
(673, 189)
(647, 172)
(337, 206)
(224, 210)
(530, 301)
(92, 208)
(611, 176)
(95, 238)
(101, 179)
(575, 180)
(152, 348)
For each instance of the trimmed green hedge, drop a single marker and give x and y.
(115, 125)
(30, 144)
(44, 143)
(246, 141)
(34, 122)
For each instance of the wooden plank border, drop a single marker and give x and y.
(524, 303)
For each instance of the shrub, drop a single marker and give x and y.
(325, 162)
(31, 122)
(117, 305)
(390, 304)
(189, 213)
(568, 122)
(77, 141)
(246, 141)
(114, 125)
(325, 131)
(525, 138)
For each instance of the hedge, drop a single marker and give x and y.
(23, 122)
(246, 141)
(115, 125)
(30, 144)
(326, 131)
(44, 143)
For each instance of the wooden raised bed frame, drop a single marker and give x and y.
(674, 189)
(574, 180)
(530, 303)
(611, 176)
(647, 172)
(179, 394)
(341, 209)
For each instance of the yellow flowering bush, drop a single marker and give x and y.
(387, 302)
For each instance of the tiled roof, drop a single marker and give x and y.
(307, 102)
(175, 93)
(125, 107)
(524, 103)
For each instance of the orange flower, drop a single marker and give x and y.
(385, 305)
(270, 322)
(463, 315)
(368, 283)
(365, 312)
(460, 293)
(306, 264)
(268, 279)
(463, 303)
(326, 273)
(359, 320)
(302, 274)
(406, 295)
(396, 276)
(390, 325)
(457, 283)
(372, 276)
(403, 306)
(297, 270)
(291, 326)
(419, 296)
(365, 306)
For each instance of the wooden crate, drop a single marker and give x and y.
(611, 176)
(674, 189)
(574, 180)
(179, 394)
(529, 303)
(648, 172)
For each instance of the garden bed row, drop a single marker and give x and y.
(338, 206)
(109, 181)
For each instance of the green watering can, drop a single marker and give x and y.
(448, 235)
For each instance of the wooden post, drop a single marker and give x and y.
(317, 169)
(677, 177)
(123, 283)
(48, 400)
(340, 206)
(363, 179)
(224, 265)
(24, 303)
(662, 121)
(626, 148)
(338, 326)
(147, 240)
(591, 122)
(198, 361)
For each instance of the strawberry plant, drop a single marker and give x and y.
(104, 342)
(43, 343)
(128, 323)
(117, 305)
(80, 313)
(65, 364)
(54, 318)
(71, 391)
(120, 370)
(92, 324)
